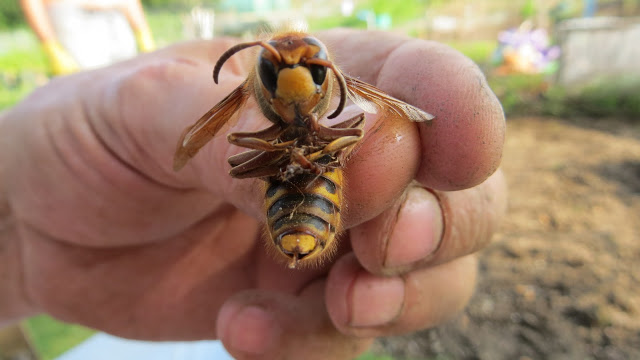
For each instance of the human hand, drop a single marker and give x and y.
(110, 237)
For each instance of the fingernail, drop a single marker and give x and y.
(418, 229)
(375, 301)
(252, 331)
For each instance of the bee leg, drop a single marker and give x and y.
(258, 140)
(351, 127)
(339, 148)
(313, 123)
(245, 140)
(265, 162)
(259, 172)
(268, 134)
(339, 145)
(243, 157)
(355, 122)
(306, 163)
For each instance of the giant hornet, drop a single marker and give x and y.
(300, 159)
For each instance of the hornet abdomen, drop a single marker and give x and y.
(303, 214)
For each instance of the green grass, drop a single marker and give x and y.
(519, 93)
(400, 11)
(21, 71)
(478, 51)
(32, 59)
(522, 94)
(372, 356)
(166, 26)
(51, 338)
(598, 99)
(330, 22)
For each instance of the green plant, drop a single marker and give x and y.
(603, 99)
(10, 14)
(519, 93)
(21, 71)
(51, 338)
(478, 51)
(372, 356)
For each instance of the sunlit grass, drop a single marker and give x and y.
(52, 338)
(478, 51)
(166, 26)
(372, 356)
(21, 71)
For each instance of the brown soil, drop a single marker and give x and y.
(562, 277)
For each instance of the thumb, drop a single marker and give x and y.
(149, 101)
(269, 325)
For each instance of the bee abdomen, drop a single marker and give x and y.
(299, 203)
(303, 213)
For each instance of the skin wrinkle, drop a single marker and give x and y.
(418, 288)
(55, 144)
(476, 219)
(78, 155)
(398, 315)
(125, 254)
(57, 151)
(402, 269)
(126, 166)
(384, 65)
(386, 61)
(150, 72)
(389, 230)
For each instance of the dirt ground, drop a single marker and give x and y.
(562, 278)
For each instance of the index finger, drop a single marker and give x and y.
(463, 146)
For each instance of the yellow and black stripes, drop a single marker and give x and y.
(303, 213)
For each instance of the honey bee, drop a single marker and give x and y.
(300, 159)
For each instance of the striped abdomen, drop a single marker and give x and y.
(303, 214)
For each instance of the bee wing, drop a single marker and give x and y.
(371, 99)
(198, 134)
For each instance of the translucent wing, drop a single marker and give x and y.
(197, 135)
(371, 99)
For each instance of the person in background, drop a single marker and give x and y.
(86, 34)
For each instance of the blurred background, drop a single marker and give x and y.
(562, 278)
